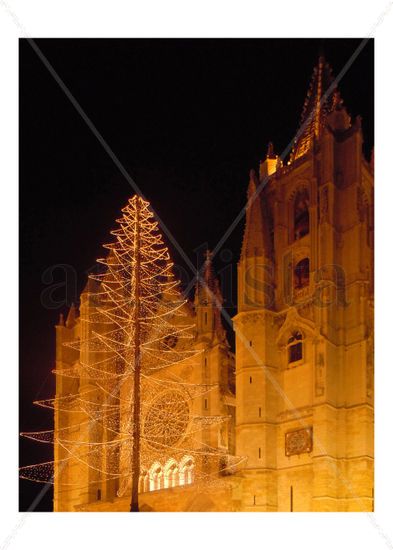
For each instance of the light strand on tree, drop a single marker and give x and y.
(133, 407)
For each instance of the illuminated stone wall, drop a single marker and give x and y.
(307, 425)
(304, 344)
(80, 482)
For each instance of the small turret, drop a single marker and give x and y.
(208, 303)
(256, 240)
(71, 317)
(338, 118)
(270, 164)
(255, 266)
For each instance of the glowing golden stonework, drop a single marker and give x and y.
(151, 404)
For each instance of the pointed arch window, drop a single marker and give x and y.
(187, 467)
(301, 274)
(301, 222)
(171, 476)
(295, 347)
(155, 477)
(144, 484)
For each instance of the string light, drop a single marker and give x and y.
(132, 409)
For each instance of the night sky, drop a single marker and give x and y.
(188, 119)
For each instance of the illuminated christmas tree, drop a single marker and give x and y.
(128, 396)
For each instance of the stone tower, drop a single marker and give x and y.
(304, 327)
(216, 359)
(302, 416)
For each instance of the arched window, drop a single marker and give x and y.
(301, 222)
(171, 474)
(301, 274)
(187, 467)
(156, 477)
(144, 484)
(295, 347)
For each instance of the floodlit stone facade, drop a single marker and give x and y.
(304, 340)
(206, 383)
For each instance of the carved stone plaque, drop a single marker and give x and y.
(298, 442)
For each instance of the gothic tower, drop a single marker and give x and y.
(216, 359)
(304, 327)
(302, 416)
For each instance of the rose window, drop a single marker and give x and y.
(166, 420)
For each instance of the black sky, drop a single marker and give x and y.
(187, 119)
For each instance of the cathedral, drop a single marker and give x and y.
(296, 397)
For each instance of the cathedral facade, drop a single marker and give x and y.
(297, 395)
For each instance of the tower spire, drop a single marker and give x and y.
(255, 288)
(322, 99)
(256, 240)
(208, 302)
(71, 317)
(206, 287)
(269, 165)
(208, 274)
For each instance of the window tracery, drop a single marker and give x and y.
(187, 467)
(173, 474)
(144, 485)
(295, 347)
(156, 477)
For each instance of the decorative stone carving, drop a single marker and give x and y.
(166, 420)
(298, 441)
(293, 321)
